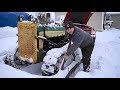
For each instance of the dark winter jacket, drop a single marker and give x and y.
(81, 39)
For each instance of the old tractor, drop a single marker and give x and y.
(35, 40)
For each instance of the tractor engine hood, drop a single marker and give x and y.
(78, 17)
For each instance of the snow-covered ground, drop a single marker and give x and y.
(105, 62)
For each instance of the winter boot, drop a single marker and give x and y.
(86, 68)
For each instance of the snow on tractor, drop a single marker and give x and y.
(35, 42)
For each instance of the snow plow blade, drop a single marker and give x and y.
(73, 69)
(62, 73)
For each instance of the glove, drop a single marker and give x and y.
(66, 57)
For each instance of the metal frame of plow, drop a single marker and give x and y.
(73, 69)
(70, 68)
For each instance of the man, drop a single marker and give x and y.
(80, 39)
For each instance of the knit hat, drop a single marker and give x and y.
(69, 24)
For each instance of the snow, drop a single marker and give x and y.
(113, 12)
(24, 59)
(53, 54)
(27, 22)
(50, 59)
(8, 32)
(4, 49)
(105, 62)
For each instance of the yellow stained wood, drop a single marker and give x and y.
(27, 44)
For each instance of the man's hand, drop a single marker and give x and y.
(66, 57)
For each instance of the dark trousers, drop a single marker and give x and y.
(86, 54)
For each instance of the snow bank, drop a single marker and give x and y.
(8, 32)
(8, 40)
(7, 45)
